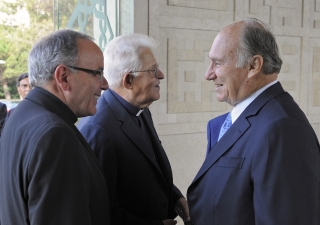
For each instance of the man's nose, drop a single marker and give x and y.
(104, 84)
(210, 74)
(160, 75)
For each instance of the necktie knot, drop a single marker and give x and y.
(225, 126)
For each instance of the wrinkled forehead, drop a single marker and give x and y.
(147, 58)
(224, 46)
(89, 52)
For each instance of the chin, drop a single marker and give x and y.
(90, 112)
(156, 97)
(153, 100)
(93, 112)
(220, 99)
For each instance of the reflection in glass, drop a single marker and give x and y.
(98, 18)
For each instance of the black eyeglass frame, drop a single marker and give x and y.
(155, 71)
(92, 72)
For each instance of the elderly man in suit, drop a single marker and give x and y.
(263, 165)
(48, 172)
(122, 135)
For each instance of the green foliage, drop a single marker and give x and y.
(14, 51)
(16, 40)
(12, 89)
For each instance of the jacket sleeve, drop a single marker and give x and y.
(176, 194)
(285, 174)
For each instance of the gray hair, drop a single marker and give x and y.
(256, 38)
(60, 47)
(122, 55)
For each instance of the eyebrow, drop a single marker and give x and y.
(154, 65)
(215, 59)
(100, 68)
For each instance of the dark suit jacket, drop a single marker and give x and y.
(48, 173)
(264, 170)
(3, 115)
(141, 188)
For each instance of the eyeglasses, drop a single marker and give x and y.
(93, 72)
(24, 86)
(154, 71)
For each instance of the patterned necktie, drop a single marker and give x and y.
(225, 126)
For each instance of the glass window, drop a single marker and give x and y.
(98, 18)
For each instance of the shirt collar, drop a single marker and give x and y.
(52, 103)
(240, 107)
(128, 106)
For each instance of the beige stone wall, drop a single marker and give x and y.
(185, 30)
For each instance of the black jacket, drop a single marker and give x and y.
(141, 188)
(48, 173)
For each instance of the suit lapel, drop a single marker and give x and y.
(129, 127)
(162, 162)
(229, 138)
(162, 159)
(131, 130)
(237, 129)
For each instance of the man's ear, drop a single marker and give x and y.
(127, 80)
(61, 76)
(256, 64)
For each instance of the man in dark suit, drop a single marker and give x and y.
(265, 169)
(123, 136)
(3, 115)
(48, 173)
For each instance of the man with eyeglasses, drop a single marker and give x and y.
(48, 172)
(23, 85)
(123, 136)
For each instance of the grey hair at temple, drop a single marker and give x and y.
(60, 47)
(257, 39)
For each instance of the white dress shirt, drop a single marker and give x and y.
(240, 107)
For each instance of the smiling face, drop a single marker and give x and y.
(232, 85)
(145, 86)
(86, 88)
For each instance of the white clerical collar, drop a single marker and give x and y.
(240, 107)
(140, 111)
